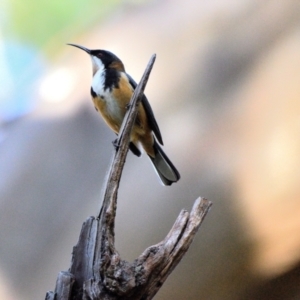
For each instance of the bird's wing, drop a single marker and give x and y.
(150, 115)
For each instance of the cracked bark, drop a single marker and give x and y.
(97, 270)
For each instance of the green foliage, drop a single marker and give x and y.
(37, 21)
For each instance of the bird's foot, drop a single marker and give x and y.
(116, 144)
(127, 106)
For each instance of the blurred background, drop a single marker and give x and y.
(225, 90)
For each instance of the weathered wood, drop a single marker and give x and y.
(63, 288)
(50, 295)
(83, 254)
(97, 270)
(142, 278)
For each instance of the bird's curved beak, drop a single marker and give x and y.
(81, 47)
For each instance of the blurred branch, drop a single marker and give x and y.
(97, 270)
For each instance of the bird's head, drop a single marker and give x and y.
(102, 59)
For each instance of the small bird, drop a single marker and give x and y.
(111, 92)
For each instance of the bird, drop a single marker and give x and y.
(111, 91)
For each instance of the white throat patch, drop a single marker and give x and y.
(97, 64)
(99, 75)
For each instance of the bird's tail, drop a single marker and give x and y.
(163, 166)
